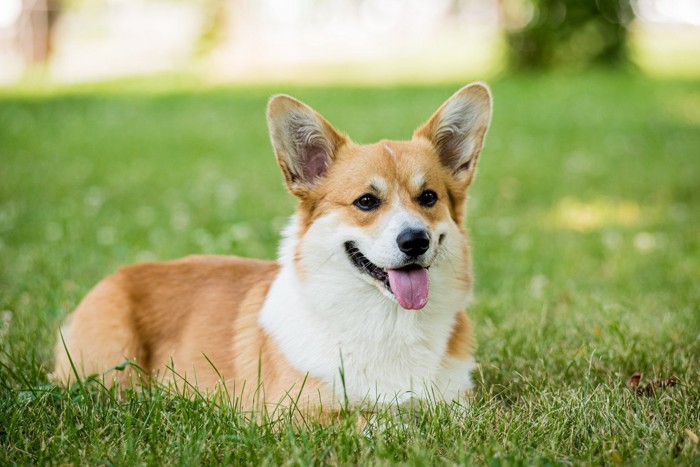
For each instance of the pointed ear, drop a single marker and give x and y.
(305, 143)
(458, 128)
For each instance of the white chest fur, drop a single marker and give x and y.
(342, 331)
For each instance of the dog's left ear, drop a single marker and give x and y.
(458, 128)
(305, 143)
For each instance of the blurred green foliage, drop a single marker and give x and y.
(572, 34)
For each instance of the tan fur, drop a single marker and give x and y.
(462, 343)
(181, 315)
(354, 164)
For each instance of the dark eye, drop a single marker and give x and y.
(427, 198)
(367, 202)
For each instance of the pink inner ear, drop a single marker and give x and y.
(315, 164)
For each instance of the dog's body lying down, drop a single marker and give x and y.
(365, 304)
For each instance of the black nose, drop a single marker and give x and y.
(413, 242)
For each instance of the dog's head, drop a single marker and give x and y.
(391, 212)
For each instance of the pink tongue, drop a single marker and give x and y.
(410, 287)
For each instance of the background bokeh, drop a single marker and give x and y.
(134, 130)
(340, 40)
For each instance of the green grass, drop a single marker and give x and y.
(585, 221)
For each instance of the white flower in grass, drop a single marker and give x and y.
(226, 193)
(106, 235)
(240, 231)
(94, 199)
(537, 285)
(644, 242)
(145, 215)
(180, 217)
(612, 239)
(145, 255)
(54, 232)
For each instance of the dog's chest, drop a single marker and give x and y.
(367, 347)
(394, 357)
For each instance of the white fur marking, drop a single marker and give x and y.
(391, 153)
(388, 354)
(418, 180)
(379, 183)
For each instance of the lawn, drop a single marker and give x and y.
(585, 224)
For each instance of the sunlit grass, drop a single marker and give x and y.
(584, 227)
(595, 215)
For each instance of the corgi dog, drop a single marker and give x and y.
(365, 304)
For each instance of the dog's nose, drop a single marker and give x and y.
(413, 242)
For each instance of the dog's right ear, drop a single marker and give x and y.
(458, 128)
(305, 143)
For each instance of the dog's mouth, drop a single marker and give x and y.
(366, 266)
(408, 285)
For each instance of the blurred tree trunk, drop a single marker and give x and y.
(37, 30)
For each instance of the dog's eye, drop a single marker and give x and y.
(367, 202)
(428, 198)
